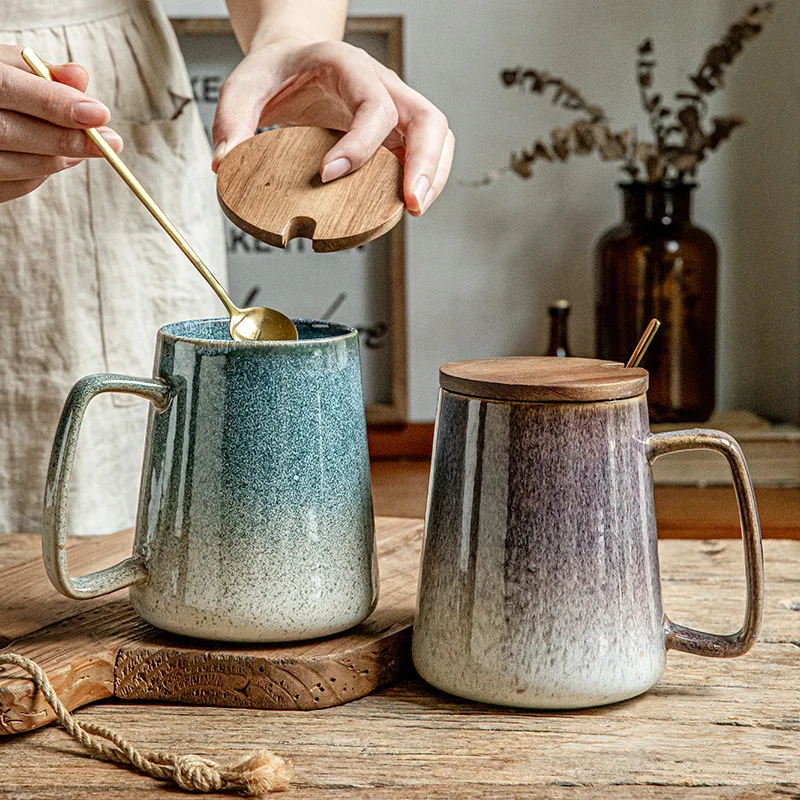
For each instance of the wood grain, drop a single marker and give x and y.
(269, 186)
(543, 379)
(710, 512)
(29, 601)
(710, 729)
(95, 649)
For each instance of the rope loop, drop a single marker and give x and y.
(254, 775)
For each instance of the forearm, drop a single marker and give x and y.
(262, 22)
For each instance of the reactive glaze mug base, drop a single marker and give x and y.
(249, 628)
(485, 686)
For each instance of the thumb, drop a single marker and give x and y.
(241, 101)
(73, 75)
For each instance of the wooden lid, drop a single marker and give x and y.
(543, 379)
(269, 186)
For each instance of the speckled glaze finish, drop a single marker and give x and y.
(255, 518)
(540, 585)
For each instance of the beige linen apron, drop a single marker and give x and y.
(87, 276)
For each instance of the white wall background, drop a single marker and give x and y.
(483, 264)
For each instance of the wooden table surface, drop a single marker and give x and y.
(710, 728)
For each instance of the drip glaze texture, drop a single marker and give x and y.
(540, 585)
(255, 519)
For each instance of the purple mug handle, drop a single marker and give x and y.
(701, 643)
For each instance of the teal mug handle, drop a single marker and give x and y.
(701, 643)
(54, 533)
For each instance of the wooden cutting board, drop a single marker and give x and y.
(94, 649)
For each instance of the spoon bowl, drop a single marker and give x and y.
(260, 324)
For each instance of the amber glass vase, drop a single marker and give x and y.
(657, 263)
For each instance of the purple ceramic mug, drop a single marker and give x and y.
(540, 583)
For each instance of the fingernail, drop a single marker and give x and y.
(113, 138)
(429, 198)
(90, 113)
(335, 169)
(72, 162)
(421, 190)
(222, 149)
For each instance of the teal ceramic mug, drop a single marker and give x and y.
(255, 510)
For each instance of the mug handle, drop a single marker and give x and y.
(701, 643)
(54, 533)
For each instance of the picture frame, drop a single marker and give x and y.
(385, 374)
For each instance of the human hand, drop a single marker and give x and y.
(335, 85)
(41, 122)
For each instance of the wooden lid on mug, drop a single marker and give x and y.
(543, 379)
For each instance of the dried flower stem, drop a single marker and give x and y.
(682, 135)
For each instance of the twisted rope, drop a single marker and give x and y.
(255, 775)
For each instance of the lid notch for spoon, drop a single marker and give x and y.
(298, 228)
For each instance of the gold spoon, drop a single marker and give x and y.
(246, 323)
(644, 343)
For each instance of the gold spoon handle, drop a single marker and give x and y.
(40, 68)
(644, 343)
